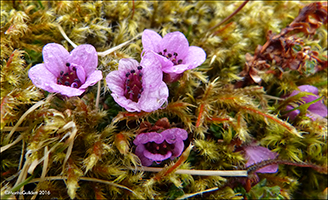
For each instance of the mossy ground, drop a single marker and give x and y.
(71, 148)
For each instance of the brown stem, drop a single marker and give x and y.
(230, 16)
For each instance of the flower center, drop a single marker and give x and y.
(133, 84)
(162, 148)
(171, 57)
(69, 78)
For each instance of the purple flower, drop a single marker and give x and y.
(138, 87)
(157, 147)
(256, 154)
(173, 51)
(315, 110)
(66, 73)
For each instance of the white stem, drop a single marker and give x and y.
(98, 95)
(53, 178)
(35, 106)
(65, 36)
(233, 173)
(9, 128)
(111, 50)
(4, 148)
(197, 193)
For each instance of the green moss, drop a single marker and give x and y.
(73, 145)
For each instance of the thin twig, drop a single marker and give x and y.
(132, 10)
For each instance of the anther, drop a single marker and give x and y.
(59, 81)
(133, 71)
(169, 55)
(74, 68)
(61, 73)
(77, 80)
(68, 64)
(179, 61)
(165, 50)
(66, 83)
(140, 74)
(74, 85)
(66, 74)
(127, 74)
(139, 67)
(175, 54)
(160, 53)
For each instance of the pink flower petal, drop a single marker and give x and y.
(156, 137)
(196, 56)
(42, 77)
(128, 104)
(293, 114)
(127, 64)
(316, 109)
(45, 80)
(157, 157)
(165, 63)
(151, 40)
(150, 101)
(178, 148)
(66, 90)
(175, 42)
(55, 57)
(308, 88)
(86, 56)
(139, 152)
(177, 69)
(256, 154)
(155, 91)
(80, 73)
(319, 109)
(268, 169)
(92, 79)
(174, 134)
(152, 73)
(115, 82)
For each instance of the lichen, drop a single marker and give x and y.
(54, 146)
